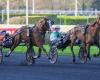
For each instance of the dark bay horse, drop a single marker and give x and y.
(33, 36)
(77, 38)
(76, 34)
(92, 36)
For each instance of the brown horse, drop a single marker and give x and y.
(92, 37)
(33, 36)
(76, 34)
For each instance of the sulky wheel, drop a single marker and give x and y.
(53, 55)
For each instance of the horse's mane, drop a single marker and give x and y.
(85, 29)
(97, 31)
(89, 25)
(93, 25)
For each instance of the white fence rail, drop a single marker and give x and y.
(67, 12)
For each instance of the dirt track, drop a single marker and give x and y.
(12, 69)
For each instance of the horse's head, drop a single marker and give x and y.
(98, 20)
(44, 24)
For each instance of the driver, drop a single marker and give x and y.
(55, 35)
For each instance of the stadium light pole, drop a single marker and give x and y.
(26, 12)
(7, 12)
(76, 9)
(33, 7)
(2, 16)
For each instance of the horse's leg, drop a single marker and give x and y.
(39, 54)
(88, 52)
(73, 38)
(12, 48)
(80, 54)
(73, 54)
(71, 47)
(42, 48)
(29, 56)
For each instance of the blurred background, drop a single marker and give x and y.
(63, 12)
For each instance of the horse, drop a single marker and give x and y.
(77, 38)
(68, 40)
(31, 36)
(92, 37)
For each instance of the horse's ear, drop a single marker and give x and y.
(41, 21)
(46, 18)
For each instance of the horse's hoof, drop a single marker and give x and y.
(49, 58)
(98, 54)
(33, 62)
(35, 57)
(23, 63)
(89, 58)
(95, 55)
(82, 62)
(73, 62)
(29, 63)
(6, 55)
